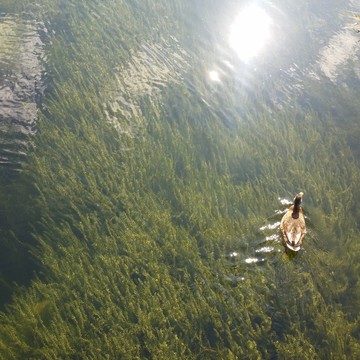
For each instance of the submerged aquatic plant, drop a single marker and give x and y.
(131, 232)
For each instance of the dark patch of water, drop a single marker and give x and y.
(22, 75)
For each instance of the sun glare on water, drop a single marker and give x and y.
(250, 32)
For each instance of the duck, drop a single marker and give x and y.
(292, 225)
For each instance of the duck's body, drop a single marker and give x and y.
(292, 225)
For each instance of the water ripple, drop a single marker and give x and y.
(148, 71)
(21, 55)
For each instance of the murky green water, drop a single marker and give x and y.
(148, 151)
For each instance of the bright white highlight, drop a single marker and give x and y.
(233, 254)
(272, 237)
(265, 249)
(249, 32)
(253, 260)
(270, 226)
(214, 76)
(285, 201)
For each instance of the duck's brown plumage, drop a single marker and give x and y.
(292, 225)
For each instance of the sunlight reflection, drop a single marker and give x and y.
(285, 201)
(270, 226)
(233, 254)
(274, 237)
(253, 260)
(249, 32)
(267, 249)
(228, 64)
(214, 76)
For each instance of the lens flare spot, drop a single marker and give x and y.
(214, 76)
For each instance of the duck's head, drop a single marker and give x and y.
(296, 207)
(298, 197)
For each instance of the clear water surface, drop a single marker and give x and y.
(148, 150)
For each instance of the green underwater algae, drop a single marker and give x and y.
(131, 232)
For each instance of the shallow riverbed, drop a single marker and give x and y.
(148, 151)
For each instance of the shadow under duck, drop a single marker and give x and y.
(292, 225)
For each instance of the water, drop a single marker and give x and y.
(20, 87)
(148, 152)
